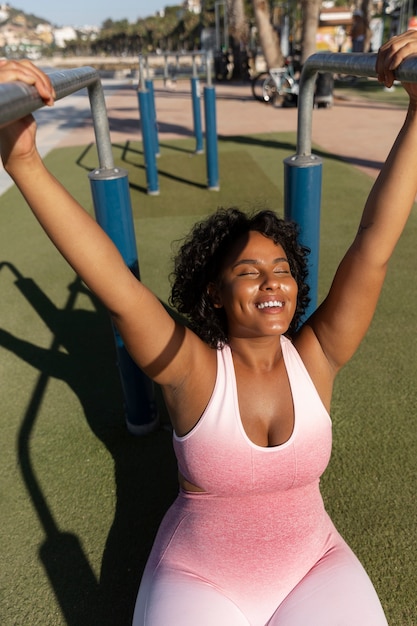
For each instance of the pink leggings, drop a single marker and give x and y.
(335, 592)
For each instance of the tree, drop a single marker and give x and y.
(310, 21)
(366, 8)
(238, 25)
(268, 36)
(239, 35)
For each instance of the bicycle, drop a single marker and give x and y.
(278, 86)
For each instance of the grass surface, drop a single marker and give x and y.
(370, 89)
(81, 499)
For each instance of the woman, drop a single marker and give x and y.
(247, 542)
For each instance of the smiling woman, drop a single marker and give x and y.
(207, 250)
(247, 384)
(255, 288)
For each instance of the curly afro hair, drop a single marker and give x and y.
(201, 257)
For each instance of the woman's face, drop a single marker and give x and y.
(256, 288)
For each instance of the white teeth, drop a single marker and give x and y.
(271, 303)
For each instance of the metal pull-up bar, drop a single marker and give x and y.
(354, 64)
(112, 206)
(303, 171)
(18, 99)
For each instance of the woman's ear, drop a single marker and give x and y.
(214, 295)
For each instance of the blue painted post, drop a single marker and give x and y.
(198, 130)
(112, 206)
(211, 138)
(212, 160)
(302, 199)
(148, 142)
(195, 97)
(152, 114)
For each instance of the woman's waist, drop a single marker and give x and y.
(266, 526)
(303, 505)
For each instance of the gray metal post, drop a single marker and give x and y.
(302, 181)
(110, 190)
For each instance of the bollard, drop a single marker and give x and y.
(198, 131)
(148, 142)
(110, 191)
(152, 114)
(302, 198)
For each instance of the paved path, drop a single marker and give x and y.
(355, 130)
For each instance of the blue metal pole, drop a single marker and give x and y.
(148, 142)
(211, 138)
(152, 114)
(302, 199)
(112, 206)
(198, 131)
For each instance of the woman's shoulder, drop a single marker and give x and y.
(187, 401)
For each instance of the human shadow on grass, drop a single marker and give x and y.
(144, 467)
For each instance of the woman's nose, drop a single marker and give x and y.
(270, 281)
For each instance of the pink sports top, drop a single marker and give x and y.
(258, 547)
(218, 456)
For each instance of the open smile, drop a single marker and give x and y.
(270, 304)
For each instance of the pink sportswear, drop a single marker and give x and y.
(257, 547)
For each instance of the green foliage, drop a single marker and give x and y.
(177, 29)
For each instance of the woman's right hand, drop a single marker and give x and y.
(17, 139)
(28, 73)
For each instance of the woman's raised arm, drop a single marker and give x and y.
(159, 345)
(344, 317)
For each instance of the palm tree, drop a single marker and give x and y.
(268, 36)
(239, 35)
(310, 20)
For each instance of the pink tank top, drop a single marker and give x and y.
(218, 456)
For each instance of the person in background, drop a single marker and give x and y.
(360, 32)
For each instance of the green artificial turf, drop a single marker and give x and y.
(81, 499)
(370, 89)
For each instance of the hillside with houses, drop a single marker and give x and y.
(23, 35)
(30, 36)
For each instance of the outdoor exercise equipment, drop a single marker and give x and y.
(152, 114)
(303, 171)
(149, 133)
(303, 175)
(195, 98)
(112, 206)
(149, 124)
(212, 159)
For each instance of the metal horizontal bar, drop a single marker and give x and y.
(18, 99)
(353, 64)
(161, 55)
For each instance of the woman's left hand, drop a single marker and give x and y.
(390, 57)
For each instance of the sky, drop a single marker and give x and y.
(90, 12)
